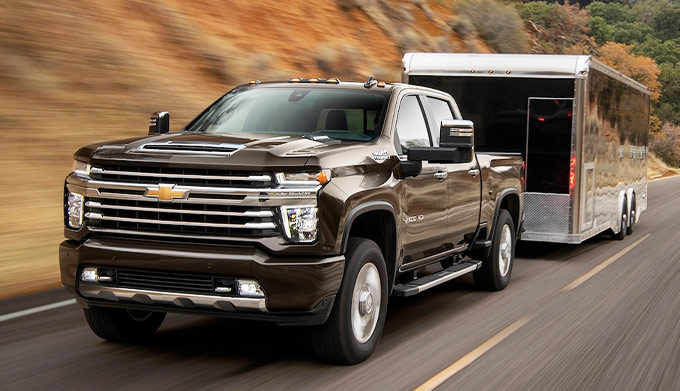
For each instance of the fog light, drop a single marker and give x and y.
(300, 223)
(249, 288)
(89, 274)
(74, 210)
(93, 274)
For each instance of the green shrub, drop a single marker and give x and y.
(497, 23)
(558, 28)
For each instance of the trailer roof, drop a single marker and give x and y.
(508, 65)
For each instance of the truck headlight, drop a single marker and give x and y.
(303, 178)
(74, 210)
(300, 223)
(81, 168)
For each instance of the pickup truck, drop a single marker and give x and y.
(307, 202)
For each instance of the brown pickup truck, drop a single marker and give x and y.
(306, 202)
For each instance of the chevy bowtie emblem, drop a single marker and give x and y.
(166, 193)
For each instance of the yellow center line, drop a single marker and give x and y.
(470, 357)
(604, 264)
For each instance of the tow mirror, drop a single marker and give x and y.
(456, 133)
(159, 122)
(459, 134)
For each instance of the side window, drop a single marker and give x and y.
(411, 125)
(441, 110)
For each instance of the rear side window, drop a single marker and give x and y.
(411, 125)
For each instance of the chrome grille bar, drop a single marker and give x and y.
(99, 216)
(248, 213)
(249, 178)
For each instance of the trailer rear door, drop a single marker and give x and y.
(548, 145)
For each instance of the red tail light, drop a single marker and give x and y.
(572, 173)
(541, 119)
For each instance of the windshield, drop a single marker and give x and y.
(341, 114)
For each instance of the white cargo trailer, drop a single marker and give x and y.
(581, 126)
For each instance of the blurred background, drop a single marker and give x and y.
(73, 73)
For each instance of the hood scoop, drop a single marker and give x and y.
(191, 148)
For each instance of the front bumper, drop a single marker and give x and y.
(297, 290)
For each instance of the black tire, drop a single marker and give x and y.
(335, 340)
(121, 325)
(632, 217)
(623, 223)
(494, 275)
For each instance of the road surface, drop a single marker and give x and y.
(603, 315)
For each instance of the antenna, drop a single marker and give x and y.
(370, 82)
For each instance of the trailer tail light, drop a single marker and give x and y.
(572, 173)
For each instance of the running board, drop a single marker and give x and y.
(421, 284)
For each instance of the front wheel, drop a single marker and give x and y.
(121, 325)
(351, 333)
(494, 274)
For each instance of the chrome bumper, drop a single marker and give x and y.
(181, 300)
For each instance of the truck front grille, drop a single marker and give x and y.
(180, 176)
(186, 202)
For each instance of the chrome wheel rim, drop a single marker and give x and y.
(632, 215)
(505, 251)
(366, 297)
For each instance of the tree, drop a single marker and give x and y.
(666, 24)
(630, 33)
(611, 12)
(661, 51)
(640, 68)
(600, 30)
(669, 104)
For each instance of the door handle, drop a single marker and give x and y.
(441, 175)
(473, 172)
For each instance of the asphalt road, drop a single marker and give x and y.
(615, 328)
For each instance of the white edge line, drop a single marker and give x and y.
(35, 310)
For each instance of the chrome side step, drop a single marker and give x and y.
(414, 287)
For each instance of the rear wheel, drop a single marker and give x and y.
(494, 274)
(623, 224)
(632, 216)
(121, 325)
(351, 333)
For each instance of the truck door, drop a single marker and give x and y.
(463, 184)
(424, 197)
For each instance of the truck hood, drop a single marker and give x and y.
(248, 151)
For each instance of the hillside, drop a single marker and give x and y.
(74, 72)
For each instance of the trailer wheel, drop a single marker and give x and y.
(624, 221)
(632, 216)
(494, 275)
(121, 325)
(351, 333)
